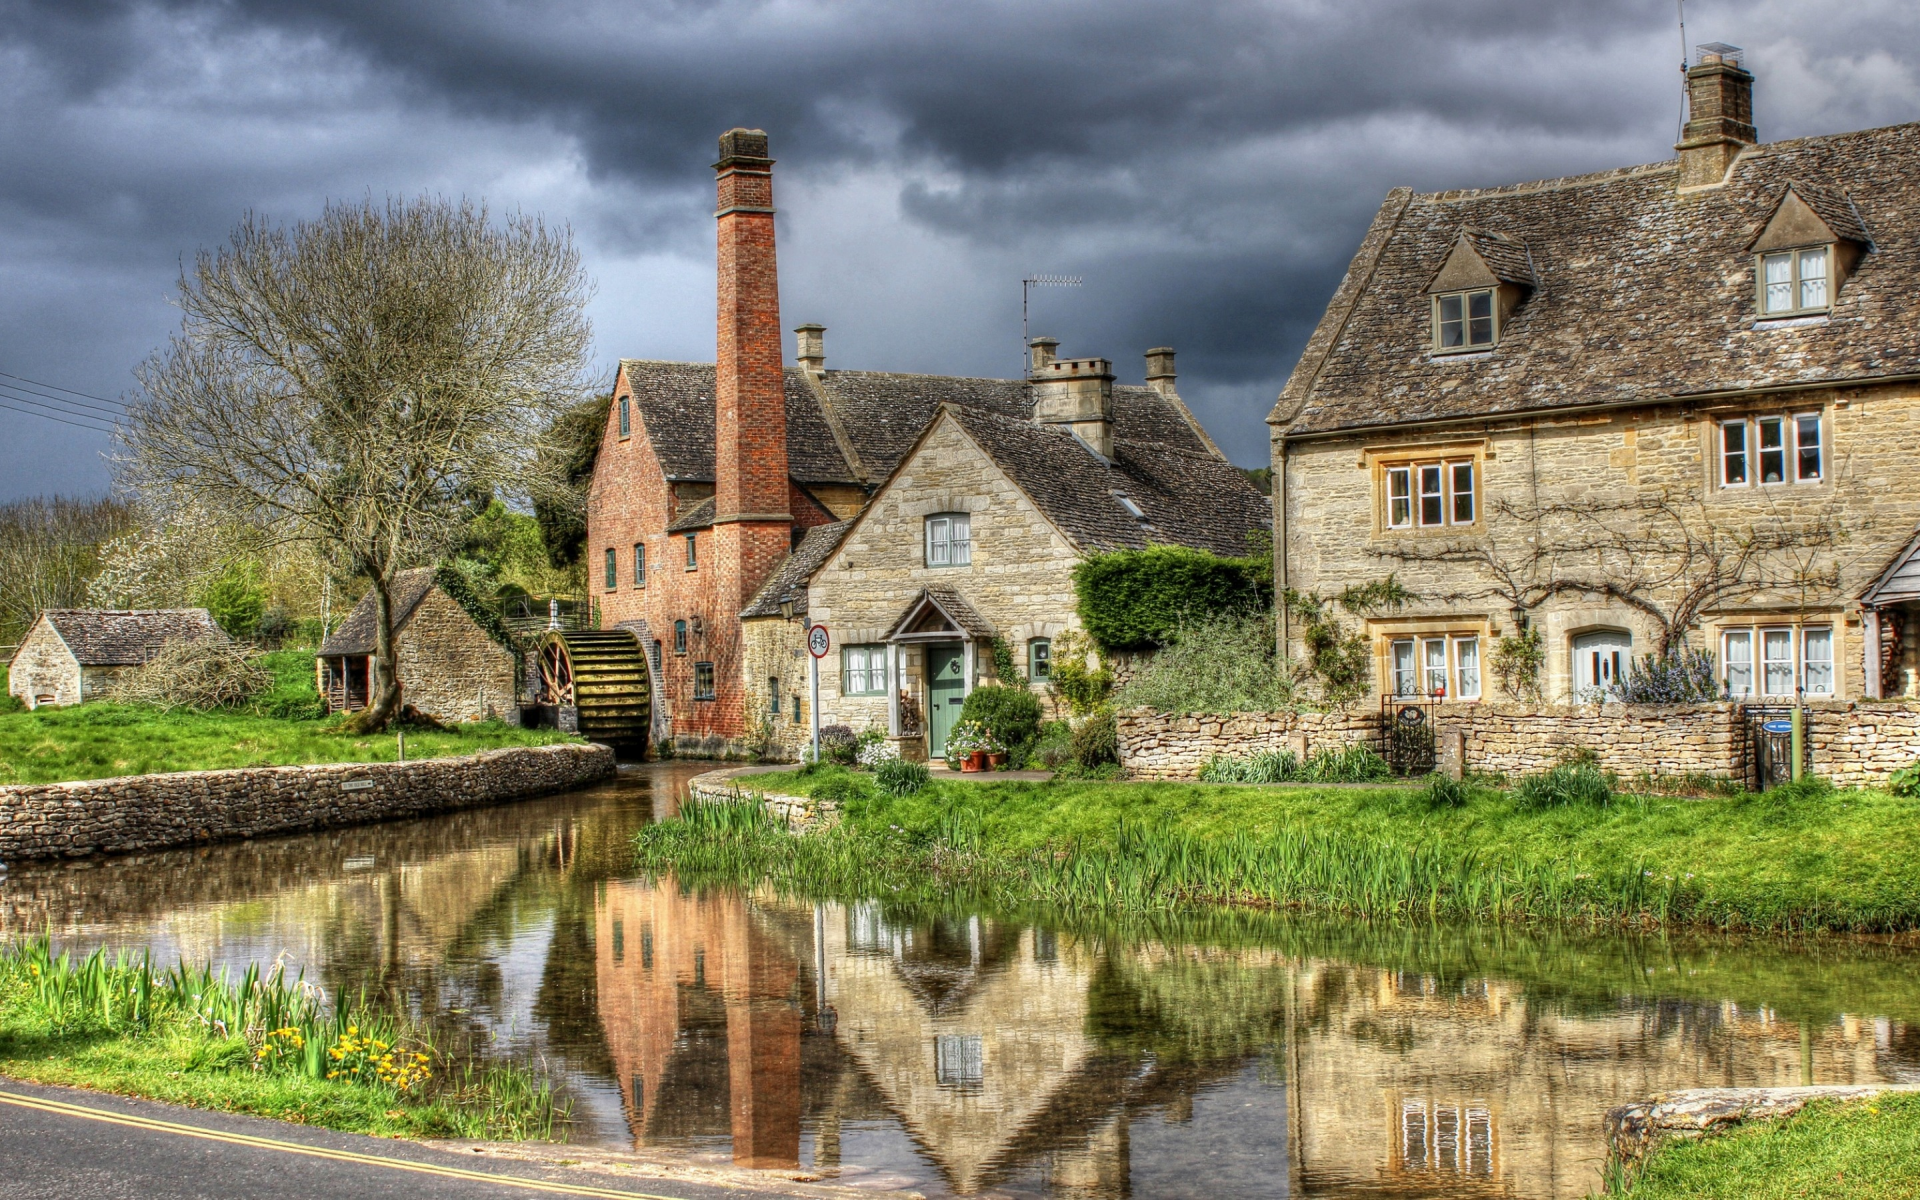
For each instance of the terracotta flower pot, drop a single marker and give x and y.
(974, 762)
(996, 761)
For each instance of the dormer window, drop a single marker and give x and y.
(1794, 282)
(1464, 320)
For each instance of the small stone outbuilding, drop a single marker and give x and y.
(71, 655)
(455, 658)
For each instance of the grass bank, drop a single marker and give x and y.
(284, 727)
(1866, 1150)
(1778, 862)
(258, 1044)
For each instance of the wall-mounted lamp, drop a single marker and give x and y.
(786, 607)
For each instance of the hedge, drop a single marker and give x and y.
(1137, 599)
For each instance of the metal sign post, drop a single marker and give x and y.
(817, 645)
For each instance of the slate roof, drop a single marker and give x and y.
(700, 516)
(1641, 293)
(356, 633)
(118, 638)
(1186, 497)
(790, 577)
(880, 414)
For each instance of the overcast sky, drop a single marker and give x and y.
(1207, 167)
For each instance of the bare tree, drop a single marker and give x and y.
(1664, 554)
(49, 552)
(361, 381)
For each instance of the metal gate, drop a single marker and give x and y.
(1407, 733)
(1770, 746)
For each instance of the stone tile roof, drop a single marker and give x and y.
(1641, 293)
(1186, 497)
(881, 413)
(947, 600)
(700, 516)
(117, 638)
(1506, 257)
(790, 577)
(356, 633)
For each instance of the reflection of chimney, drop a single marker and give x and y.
(1075, 392)
(1160, 369)
(1719, 115)
(750, 520)
(811, 350)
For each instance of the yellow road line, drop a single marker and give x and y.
(61, 1108)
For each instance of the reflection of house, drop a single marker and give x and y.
(451, 653)
(74, 654)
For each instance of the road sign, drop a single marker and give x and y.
(817, 641)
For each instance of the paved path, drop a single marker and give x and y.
(80, 1145)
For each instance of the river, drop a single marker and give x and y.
(970, 1054)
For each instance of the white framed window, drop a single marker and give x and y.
(1447, 665)
(1406, 681)
(1464, 321)
(1816, 660)
(1736, 653)
(1433, 666)
(1466, 661)
(1795, 281)
(1039, 658)
(1771, 450)
(863, 670)
(949, 540)
(1776, 662)
(1431, 495)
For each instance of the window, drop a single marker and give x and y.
(693, 558)
(773, 695)
(703, 681)
(863, 670)
(1431, 494)
(949, 540)
(639, 564)
(1795, 281)
(1776, 660)
(1463, 321)
(613, 570)
(679, 637)
(1446, 666)
(1737, 652)
(1816, 661)
(796, 708)
(959, 1060)
(626, 417)
(1775, 449)
(1039, 658)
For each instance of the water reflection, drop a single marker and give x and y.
(966, 1054)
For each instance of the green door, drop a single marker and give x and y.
(946, 690)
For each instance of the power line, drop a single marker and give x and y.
(55, 404)
(49, 417)
(56, 387)
(111, 410)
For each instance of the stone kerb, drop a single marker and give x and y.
(149, 812)
(797, 813)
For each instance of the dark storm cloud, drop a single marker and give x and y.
(1208, 166)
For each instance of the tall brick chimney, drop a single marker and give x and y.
(1719, 115)
(751, 524)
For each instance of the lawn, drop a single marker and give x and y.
(1860, 1151)
(1789, 859)
(282, 727)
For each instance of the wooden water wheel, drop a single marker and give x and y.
(602, 673)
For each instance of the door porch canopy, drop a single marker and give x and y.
(938, 614)
(1898, 584)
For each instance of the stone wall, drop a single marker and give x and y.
(798, 813)
(450, 669)
(147, 812)
(43, 666)
(1851, 744)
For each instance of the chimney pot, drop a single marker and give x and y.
(812, 350)
(1719, 116)
(1160, 369)
(1040, 350)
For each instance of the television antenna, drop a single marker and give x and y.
(1681, 132)
(1026, 287)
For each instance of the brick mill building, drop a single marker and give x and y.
(1619, 413)
(922, 518)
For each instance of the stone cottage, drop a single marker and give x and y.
(739, 487)
(454, 658)
(72, 655)
(1619, 413)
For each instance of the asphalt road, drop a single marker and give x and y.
(79, 1145)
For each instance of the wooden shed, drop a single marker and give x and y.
(71, 655)
(454, 656)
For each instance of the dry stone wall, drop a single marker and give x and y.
(1627, 739)
(148, 812)
(1157, 745)
(1857, 744)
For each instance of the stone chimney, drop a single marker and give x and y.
(1074, 392)
(1719, 115)
(1039, 354)
(811, 349)
(751, 524)
(1160, 370)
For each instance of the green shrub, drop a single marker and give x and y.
(1266, 766)
(898, 777)
(1444, 791)
(1906, 781)
(1096, 740)
(1138, 599)
(1569, 784)
(1214, 664)
(235, 599)
(292, 696)
(1084, 688)
(1011, 715)
(1356, 762)
(1053, 748)
(838, 744)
